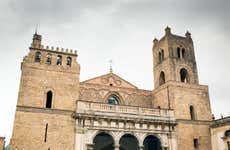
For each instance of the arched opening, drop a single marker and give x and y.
(37, 57)
(162, 78)
(49, 58)
(184, 75)
(128, 142)
(69, 61)
(159, 57)
(59, 60)
(103, 141)
(152, 143)
(183, 53)
(192, 113)
(162, 55)
(113, 99)
(49, 97)
(178, 52)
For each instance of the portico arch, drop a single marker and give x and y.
(103, 141)
(152, 142)
(128, 142)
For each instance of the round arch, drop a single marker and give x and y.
(115, 95)
(161, 78)
(103, 141)
(128, 142)
(152, 142)
(184, 75)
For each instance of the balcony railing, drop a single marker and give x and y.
(123, 110)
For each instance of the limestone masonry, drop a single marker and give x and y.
(55, 111)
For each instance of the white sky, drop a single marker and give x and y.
(121, 30)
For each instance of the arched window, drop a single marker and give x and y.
(178, 52)
(37, 57)
(59, 60)
(183, 53)
(162, 55)
(49, 58)
(159, 57)
(113, 100)
(192, 113)
(49, 96)
(69, 61)
(184, 75)
(162, 78)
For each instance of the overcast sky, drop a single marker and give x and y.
(121, 30)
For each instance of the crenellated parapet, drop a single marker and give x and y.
(50, 57)
(54, 49)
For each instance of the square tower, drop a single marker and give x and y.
(49, 88)
(177, 88)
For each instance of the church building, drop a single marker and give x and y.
(55, 111)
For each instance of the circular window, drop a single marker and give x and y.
(113, 100)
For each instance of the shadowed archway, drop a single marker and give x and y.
(152, 143)
(103, 141)
(128, 142)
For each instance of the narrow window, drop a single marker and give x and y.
(37, 57)
(184, 75)
(178, 52)
(48, 58)
(228, 145)
(159, 57)
(59, 60)
(46, 130)
(69, 61)
(162, 55)
(183, 53)
(195, 143)
(192, 114)
(49, 96)
(162, 78)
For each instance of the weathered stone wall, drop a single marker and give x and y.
(2, 143)
(219, 141)
(29, 130)
(128, 96)
(188, 130)
(39, 77)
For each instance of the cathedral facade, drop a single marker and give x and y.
(55, 111)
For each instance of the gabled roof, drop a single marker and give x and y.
(110, 79)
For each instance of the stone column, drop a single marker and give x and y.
(141, 147)
(116, 147)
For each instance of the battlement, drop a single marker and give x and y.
(55, 49)
(36, 44)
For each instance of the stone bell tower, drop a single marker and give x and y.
(174, 59)
(49, 88)
(177, 88)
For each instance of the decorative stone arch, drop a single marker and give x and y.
(189, 71)
(149, 134)
(108, 133)
(115, 94)
(127, 136)
(102, 131)
(131, 133)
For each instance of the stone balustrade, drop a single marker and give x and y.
(87, 107)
